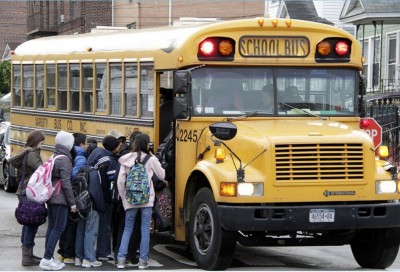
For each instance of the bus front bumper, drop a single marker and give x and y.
(293, 218)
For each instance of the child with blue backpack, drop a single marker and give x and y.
(140, 154)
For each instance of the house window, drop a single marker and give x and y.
(371, 52)
(392, 42)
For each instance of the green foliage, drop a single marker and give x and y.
(5, 77)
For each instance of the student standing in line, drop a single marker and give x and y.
(153, 167)
(119, 219)
(67, 239)
(61, 201)
(91, 145)
(32, 161)
(105, 159)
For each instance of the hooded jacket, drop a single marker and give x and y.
(33, 161)
(79, 161)
(62, 171)
(108, 167)
(153, 167)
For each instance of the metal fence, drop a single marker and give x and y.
(388, 117)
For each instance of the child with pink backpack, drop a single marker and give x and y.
(61, 202)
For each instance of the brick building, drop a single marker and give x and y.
(12, 25)
(151, 13)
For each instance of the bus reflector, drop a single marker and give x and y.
(227, 189)
(216, 48)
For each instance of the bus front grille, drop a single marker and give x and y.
(319, 162)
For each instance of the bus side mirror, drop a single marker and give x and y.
(363, 85)
(223, 130)
(182, 82)
(182, 91)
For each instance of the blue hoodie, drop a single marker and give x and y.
(79, 161)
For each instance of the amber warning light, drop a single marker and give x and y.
(216, 48)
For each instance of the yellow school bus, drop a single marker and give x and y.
(267, 145)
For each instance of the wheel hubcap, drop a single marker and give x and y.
(203, 229)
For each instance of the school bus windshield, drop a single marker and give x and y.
(274, 91)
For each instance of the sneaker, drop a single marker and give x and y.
(59, 263)
(106, 258)
(88, 264)
(69, 260)
(143, 264)
(50, 265)
(131, 263)
(60, 257)
(121, 263)
(78, 262)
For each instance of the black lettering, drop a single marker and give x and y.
(242, 48)
(256, 47)
(248, 47)
(287, 48)
(70, 125)
(272, 48)
(83, 127)
(41, 122)
(57, 123)
(303, 44)
(264, 47)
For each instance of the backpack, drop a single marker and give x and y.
(40, 188)
(80, 186)
(137, 183)
(164, 154)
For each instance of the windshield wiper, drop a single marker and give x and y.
(307, 112)
(249, 114)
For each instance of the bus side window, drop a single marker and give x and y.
(115, 88)
(62, 86)
(74, 86)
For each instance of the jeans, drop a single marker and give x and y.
(57, 220)
(28, 236)
(86, 236)
(130, 216)
(67, 239)
(104, 237)
(134, 242)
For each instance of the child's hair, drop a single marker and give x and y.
(141, 144)
(91, 145)
(79, 138)
(34, 138)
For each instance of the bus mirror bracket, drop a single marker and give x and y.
(182, 94)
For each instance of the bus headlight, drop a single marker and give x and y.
(386, 187)
(250, 189)
(241, 189)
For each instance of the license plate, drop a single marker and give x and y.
(322, 215)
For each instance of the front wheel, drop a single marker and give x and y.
(376, 248)
(212, 247)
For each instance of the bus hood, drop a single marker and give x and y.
(300, 131)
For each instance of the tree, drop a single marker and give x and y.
(5, 77)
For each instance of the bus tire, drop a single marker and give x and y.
(376, 248)
(211, 246)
